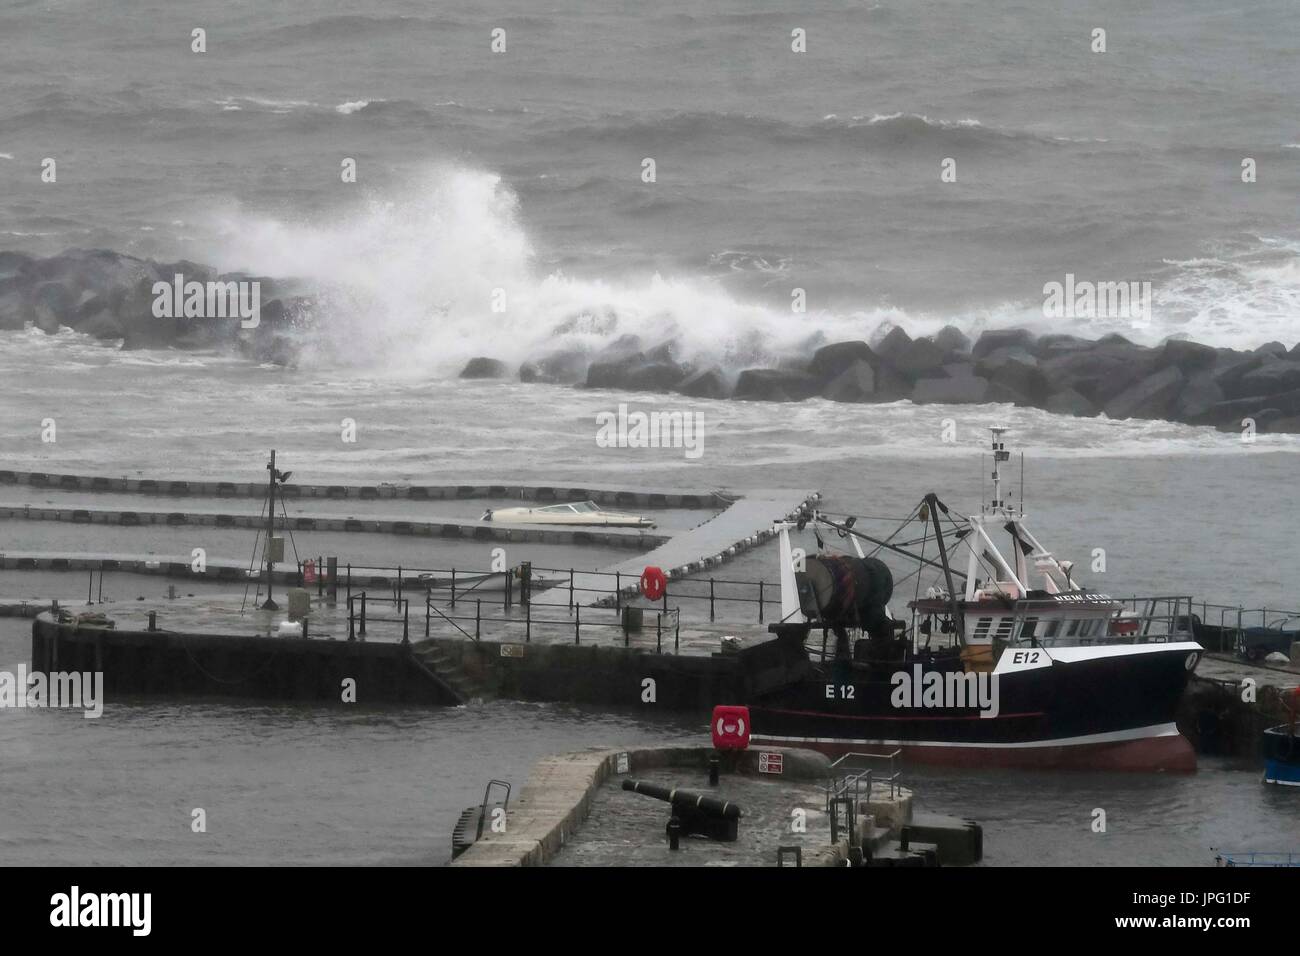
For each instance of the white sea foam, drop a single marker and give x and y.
(411, 279)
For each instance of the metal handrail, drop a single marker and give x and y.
(505, 804)
(894, 777)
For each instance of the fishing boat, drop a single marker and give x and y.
(1009, 662)
(578, 513)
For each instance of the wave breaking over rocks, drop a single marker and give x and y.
(111, 297)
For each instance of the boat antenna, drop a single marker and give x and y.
(1022, 483)
(1000, 454)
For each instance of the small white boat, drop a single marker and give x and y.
(579, 513)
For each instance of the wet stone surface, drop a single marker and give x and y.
(628, 829)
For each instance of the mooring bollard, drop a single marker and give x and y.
(715, 765)
(674, 832)
(153, 620)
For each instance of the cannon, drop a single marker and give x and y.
(696, 813)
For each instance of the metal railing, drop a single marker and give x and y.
(542, 586)
(842, 776)
(362, 615)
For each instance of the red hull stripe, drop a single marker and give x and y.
(817, 713)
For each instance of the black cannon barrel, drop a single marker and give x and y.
(686, 799)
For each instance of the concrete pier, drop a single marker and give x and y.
(545, 824)
(269, 668)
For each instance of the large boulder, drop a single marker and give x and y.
(1188, 356)
(484, 367)
(830, 360)
(1056, 344)
(1197, 398)
(1231, 368)
(958, 386)
(705, 383)
(1015, 369)
(1272, 376)
(952, 339)
(564, 367)
(1100, 373)
(15, 303)
(893, 342)
(919, 357)
(638, 372)
(102, 325)
(995, 339)
(775, 385)
(1150, 398)
(857, 383)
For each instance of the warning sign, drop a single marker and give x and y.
(770, 762)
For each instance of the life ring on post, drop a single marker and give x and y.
(653, 583)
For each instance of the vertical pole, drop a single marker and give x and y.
(101, 582)
(406, 622)
(618, 590)
(399, 582)
(577, 625)
(349, 582)
(90, 587)
(659, 636)
(760, 602)
(270, 604)
(528, 623)
(453, 587)
(711, 599)
(427, 599)
(677, 633)
(352, 625)
(478, 615)
(334, 579)
(320, 576)
(363, 614)
(570, 589)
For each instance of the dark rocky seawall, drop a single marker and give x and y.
(110, 296)
(1178, 380)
